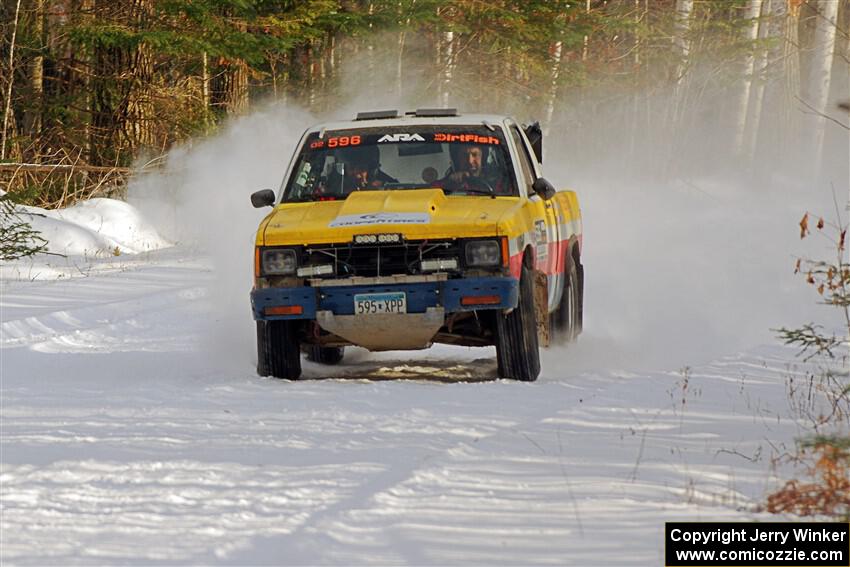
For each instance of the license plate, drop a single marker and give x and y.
(368, 303)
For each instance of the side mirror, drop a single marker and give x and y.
(543, 188)
(262, 198)
(535, 138)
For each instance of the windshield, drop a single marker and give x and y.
(468, 160)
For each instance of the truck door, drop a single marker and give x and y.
(548, 251)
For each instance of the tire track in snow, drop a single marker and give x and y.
(76, 512)
(548, 489)
(134, 501)
(68, 323)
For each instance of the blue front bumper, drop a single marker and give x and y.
(420, 296)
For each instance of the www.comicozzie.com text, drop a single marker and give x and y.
(727, 536)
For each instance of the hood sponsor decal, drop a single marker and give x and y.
(401, 137)
(368, 219)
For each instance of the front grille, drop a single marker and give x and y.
(380, 259)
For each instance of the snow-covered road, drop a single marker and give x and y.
(135, 430)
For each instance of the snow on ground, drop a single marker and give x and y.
(132, 434)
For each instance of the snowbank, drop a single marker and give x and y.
(90, 230)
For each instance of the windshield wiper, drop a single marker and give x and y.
(478, 190)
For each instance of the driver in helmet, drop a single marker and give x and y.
(470, 171)
(358, 168)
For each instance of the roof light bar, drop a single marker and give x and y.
(435, 112)
(377, 115)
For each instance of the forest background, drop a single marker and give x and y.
(94, 88)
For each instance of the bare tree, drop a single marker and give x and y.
(681, 39)
(32, 119)
(820, 73)
(230, 86)
(205, 82)
(448, 43)
(750, 35)
(682, 49)
(557, 54)
(8, 105)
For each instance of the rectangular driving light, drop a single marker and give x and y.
(377, 239)
(439, 265)
(310, 271)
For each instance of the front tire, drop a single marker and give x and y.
(278, 351)
(517, 351)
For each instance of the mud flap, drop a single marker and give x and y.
(541, 307)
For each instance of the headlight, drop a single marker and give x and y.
(279, 261)
(483, 253)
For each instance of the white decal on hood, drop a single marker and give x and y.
(401, 137)
(367, 219)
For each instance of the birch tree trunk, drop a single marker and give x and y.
(676, 110)
(681, 41)
(586, 38)
(790, 87)
(399, 73)
(438, 63)
(821, 71)
(206, 92)
(557, 53)
(635, 113)
(370, 45)
(205, 82)
(742, 106)
(771, 89)
(11, 80)
(332, 59)
(448, 63)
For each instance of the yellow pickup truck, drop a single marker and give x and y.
(396, 231)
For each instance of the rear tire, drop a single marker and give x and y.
(566, 319)
(517, 351)
(580, 299)
(325, 355)
(278, 351)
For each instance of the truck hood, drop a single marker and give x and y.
(415, 213)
